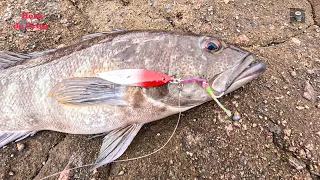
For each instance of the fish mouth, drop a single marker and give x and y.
(238, 76)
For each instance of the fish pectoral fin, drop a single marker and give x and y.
(8, 137)
(9, 59)
(115, 143)
(86, 91)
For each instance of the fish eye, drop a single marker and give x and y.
(211, 45)
(163, 78)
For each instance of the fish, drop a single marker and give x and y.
(60, 90)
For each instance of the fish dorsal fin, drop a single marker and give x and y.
(7, 137)
(93, 35)
(9, 59)
(86, 91)
(115, 144)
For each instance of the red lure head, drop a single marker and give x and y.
(152, 78)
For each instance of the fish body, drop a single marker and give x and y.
(59, 90)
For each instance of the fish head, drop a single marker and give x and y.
(225, 67)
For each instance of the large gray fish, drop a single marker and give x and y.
(59, 89)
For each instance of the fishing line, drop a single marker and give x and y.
(124, 160)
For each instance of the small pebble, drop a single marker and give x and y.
(318, 133)
(309, 93)
(95, 171)
(236, 124)
(11, 173)
(308, 153)
(20, 146)
(254, 125)
(158, 134)
(292, 149)
(296, 41)
(189, 153)
(300, 107)
(287, 132)
(121, 173)
(236, 116)
(302, 153)
(307, 96)
(242, 38)
(293, 74)
(11, 155)
(296, 163)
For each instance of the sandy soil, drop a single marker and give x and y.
(278, 136)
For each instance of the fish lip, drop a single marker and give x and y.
(254, 70)
(238, 76)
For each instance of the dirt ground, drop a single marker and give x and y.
(278, 136)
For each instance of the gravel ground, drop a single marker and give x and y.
(278, 136)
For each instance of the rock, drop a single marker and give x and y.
(308, 153)
(189, 153)
(236, 116)
(20, 146)
(11, 173)
(275, 129)
(254, 125)
(95, 171)
(293, 73)
(287, 132)
(236, 124)
(296, 163)
(292, 149)
(309, 93)
(302, 153)
(296, 41)
(242, 39)
(307, 96)
(300, 107)
(121, 173)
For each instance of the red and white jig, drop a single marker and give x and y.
(149, 78)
